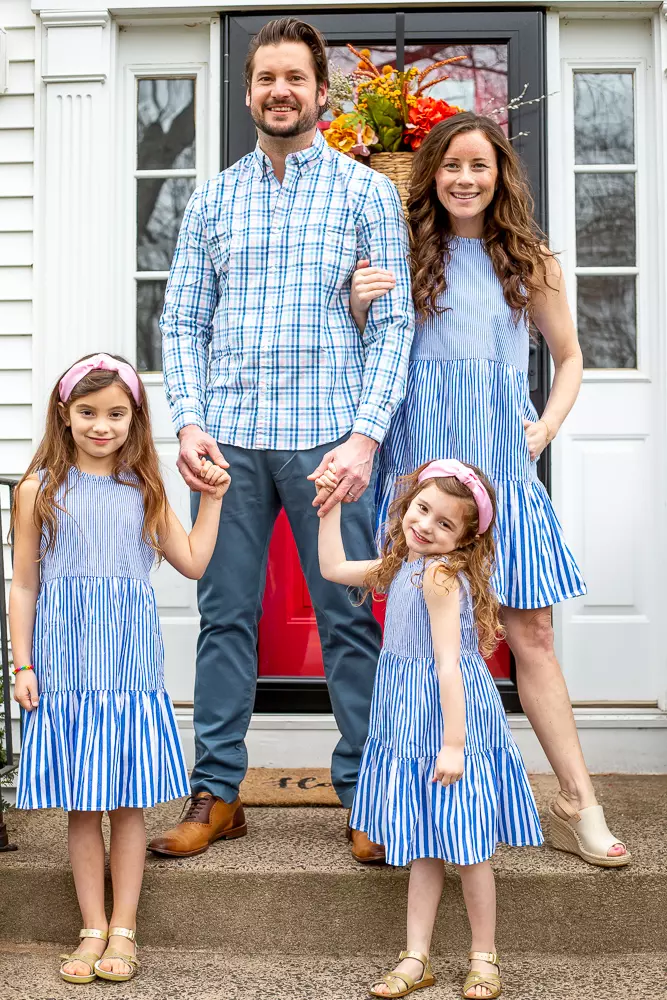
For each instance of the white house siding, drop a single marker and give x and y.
(17, 117)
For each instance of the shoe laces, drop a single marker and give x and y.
(195, 805)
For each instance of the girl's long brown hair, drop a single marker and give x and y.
(56, 454)
(474, 556)
(511, 236)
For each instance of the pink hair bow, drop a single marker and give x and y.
(450, 467)
(106, 363)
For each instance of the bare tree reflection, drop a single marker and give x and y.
(606, 318)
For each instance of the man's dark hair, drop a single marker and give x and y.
(290, 29)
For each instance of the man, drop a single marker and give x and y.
(266, 372)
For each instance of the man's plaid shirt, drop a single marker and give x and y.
(259, 346)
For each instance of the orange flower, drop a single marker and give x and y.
(426, 113)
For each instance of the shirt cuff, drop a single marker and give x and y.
(187, 412)
(371, 421)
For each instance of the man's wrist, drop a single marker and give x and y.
(188, 427)
(363, 439)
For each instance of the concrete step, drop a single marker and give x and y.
(291, 884)
(29, 972)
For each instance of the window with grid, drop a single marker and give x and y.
(605, 215)
(165, 177)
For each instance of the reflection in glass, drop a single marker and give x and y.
(607, 320)
(605, 214)
(165, 124)
(150, 299)
(477, 83)
(160, 206)
(604, 118)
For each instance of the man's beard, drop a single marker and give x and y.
(306, 120)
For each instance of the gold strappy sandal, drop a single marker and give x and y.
(490, 980)
(401, 984)
(87, 957)
(586, 834)
(111, 953)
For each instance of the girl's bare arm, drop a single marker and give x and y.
(442, 600)
(25, 590)
(333, 564)
(191, 553)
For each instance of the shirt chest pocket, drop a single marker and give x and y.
(330, 250)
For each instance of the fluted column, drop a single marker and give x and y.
(74, 287)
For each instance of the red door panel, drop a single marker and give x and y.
(289, 644)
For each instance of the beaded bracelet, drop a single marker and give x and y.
(26, 666)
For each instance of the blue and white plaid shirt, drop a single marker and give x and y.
(259, 347)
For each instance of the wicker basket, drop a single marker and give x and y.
(397, 167)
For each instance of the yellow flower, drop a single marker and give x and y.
(366, 53)
(387, 70)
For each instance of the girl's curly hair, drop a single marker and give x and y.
(474, 556)
(511, 236)
(136, 464)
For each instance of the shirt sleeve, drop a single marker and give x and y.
(190, 302)
(387, 338)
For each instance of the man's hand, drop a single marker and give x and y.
(195, 445)
(353, 461)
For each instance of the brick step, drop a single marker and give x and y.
(29, 972)
(291, 884)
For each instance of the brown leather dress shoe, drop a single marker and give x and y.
(364, 850)
(208, 819)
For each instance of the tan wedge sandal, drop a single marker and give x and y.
(401, 984)
(489, 980)
(113, 953)
(87, 957)
(586, 834)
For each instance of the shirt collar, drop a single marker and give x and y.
(303, 158)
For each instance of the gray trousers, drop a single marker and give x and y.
(230, 604)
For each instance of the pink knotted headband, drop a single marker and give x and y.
(449, 467)
(106, 363)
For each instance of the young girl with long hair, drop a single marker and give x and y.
(481, 274)
(441, 777)
(89, 518)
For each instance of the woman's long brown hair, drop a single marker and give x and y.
(474, 556)
(511, 236)
(56, 454)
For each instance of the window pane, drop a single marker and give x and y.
(160, 206)
(150, 299)
(607, 320)
(477, 83)
(604, 127)
(165, 124)
(605, 214)
(342, 61)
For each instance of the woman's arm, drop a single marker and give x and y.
(333, 564)
(24, 591)
(442, 600)
(191, 553)
(554, 321)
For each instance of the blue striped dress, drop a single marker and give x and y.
(104, 734)
(397, 803)
(467, 395)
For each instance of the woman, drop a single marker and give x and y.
(480, 276)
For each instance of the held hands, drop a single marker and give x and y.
(352, 465)
(216, 477)
(368, 283)
(26, 692)
(537, 437)
(448, 765)
(196, 444)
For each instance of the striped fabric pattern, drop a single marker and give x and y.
(397, 803)
(259, 346)
(467, 396)
(104, 734)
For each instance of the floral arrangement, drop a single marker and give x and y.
(383, 111)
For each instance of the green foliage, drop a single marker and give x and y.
(387, 123)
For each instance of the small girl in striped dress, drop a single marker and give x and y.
(441, 778)
(89, 518)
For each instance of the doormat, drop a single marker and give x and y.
(298, 786)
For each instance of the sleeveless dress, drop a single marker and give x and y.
(104, 734)
(397, 803)
(467, 395)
